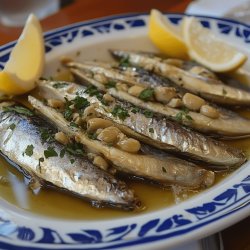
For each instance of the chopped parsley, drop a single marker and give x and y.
(80, 103)
(135, 110)
(124, 62)
(92, 136)
(68, 112)
(19, 110)
(93, 91)
(60, 85)
(183, 116)
(72, 161)
(110, 84)
(151, 130)
(12, 126)
(146, 94)
(46, 135)
(62, 153)
(50, 152)
(75, 149)
(188, 117)
(120, 112)
(148, 113)
(29, 150)
(74, 125)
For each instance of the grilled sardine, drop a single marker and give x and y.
(226, 124)
(28, 141)
(154, 130)
(167, 171)
(209, 88)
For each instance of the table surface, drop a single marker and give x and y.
(234, 237)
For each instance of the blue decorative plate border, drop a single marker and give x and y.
(140, 230)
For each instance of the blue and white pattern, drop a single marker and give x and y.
(192, 219)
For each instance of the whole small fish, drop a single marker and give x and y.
(228, 124)
(167, 170)
(153, 130)
(28, 140)
(209, 88)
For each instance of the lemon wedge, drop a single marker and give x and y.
(26, 61)
(206, 48)
(166, 36)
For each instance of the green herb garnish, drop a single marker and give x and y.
(224, 92)
(189, 118)
(29, 150)
(46, 135)
(80, 103)
(19, 110)
(59, 85)
(74, 125)
(151, 130)
(164, 170)
(72, 161)
(148, 113)
(183, 116)
(124, 62)
(92, 136)
(62, 153)
(146, 94)
(76, 105)
(135, 110)
(68, 112)
(178, 116)
(110, 84)
(50, 152)
(12, 126)
(75, 149)
(120, 112)
(93, 91)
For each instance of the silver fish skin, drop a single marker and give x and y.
(209, 88)
(164, 170)
(18, 132)
(229, 125)
(130, 75)
(166, 134)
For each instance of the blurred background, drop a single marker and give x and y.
(56, 13)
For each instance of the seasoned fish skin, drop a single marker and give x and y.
(226, 126)
(129, 75)
(167, 135)
(212, 89)
(81, 177)
(168, 170)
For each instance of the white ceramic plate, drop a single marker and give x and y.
(207, 213)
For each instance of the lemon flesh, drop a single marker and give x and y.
(166, 36)
(26, 61)
(206, 48)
